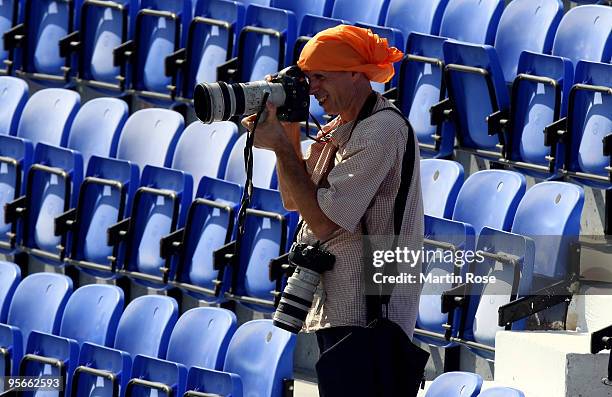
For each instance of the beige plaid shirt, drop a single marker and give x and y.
(364, 180)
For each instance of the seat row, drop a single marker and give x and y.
(91, 168)
(525, 237)
(96, 346)
(466, 384)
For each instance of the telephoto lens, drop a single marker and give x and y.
(296, 299)
(220, 101)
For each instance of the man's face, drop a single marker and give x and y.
(333, 90)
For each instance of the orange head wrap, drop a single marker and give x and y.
(351, 49)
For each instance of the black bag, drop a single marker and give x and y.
(380, 359)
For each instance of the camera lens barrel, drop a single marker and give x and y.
(296, 299)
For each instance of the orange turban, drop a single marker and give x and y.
(352, 49)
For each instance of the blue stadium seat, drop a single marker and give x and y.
(268, 231)
(200, 339)
(104, 26)
(475, 209)
(501, 392)
(421, 77)
(144, 328)
(46, 118)
(106, 194)
(415, 16)
(91, 315)
(10, 276)
(37, 305)
(256, 345)
(474, 73)
(160, 30)
(372, 11)
(441, 181)
(321, 8)
(264, 170)
(14, 95)
(541, 92)
(44, 23)
(589, 121)
(455, 384)
(9, 17)
(54, 179)
(547, 221)
(211, 41)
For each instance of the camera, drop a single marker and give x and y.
(220, 101)
(310, 261)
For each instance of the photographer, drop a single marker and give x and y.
(348, 180)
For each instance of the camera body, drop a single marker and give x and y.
(310, 261)
(220, 101)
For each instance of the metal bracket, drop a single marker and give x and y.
(441, 112)
(15, 209)
(114, 236)
(602, 340)
(288, 387)
(560, 292)
(454, 298)
(65, 222)
(554, 133)
(498, 123)
(223, 257)
(69, 44)
(228, 71)
(13, 37)
(172, 244)
(123, 53)
(277, 268)
(175, 62)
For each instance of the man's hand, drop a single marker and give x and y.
(271, 134)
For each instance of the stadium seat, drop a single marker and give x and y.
(9, 17)
(415, 16)
(160, 30)
(14, 95)
(421, 75)
(501, 392)
(268, 231)
(211, 41)
(199, 339)
(38, 34)
(455, 384)
(475, 209)
(208, 227)
(534, 255)
(46, 118)
(54, 179)
(371, 12)
(144, 328)
(10, 276)
(91, 315)
(37, 305)
(107, 192)
(541, 92)
(259, 363)
(321, 8)
(475, 72)
(441, 181)
(104, 26)
(264, 169)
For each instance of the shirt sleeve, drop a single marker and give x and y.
(354, 181)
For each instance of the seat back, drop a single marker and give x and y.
(550, 214)
(490, 198)
(207, 229)
(321, 8)
(259, 344)
(92, 314)
(526, 26)
(370, 11)
(48, 115)
(145, 326)
(584, 34)
(501, 392)
(440, 184)
(97, 126)
(38, 304)
(472, 21)
(14, 95)
(455, 384)
(415, 16)
(264, 54)
(201, 337)
(203, 149)
(264, 170)
(590, 118)
(149, 137)
(8, 19)
(47, 21)
(10, 276)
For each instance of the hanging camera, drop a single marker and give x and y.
(310, 261)
(220, 101)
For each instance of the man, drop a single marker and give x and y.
(349, 178)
